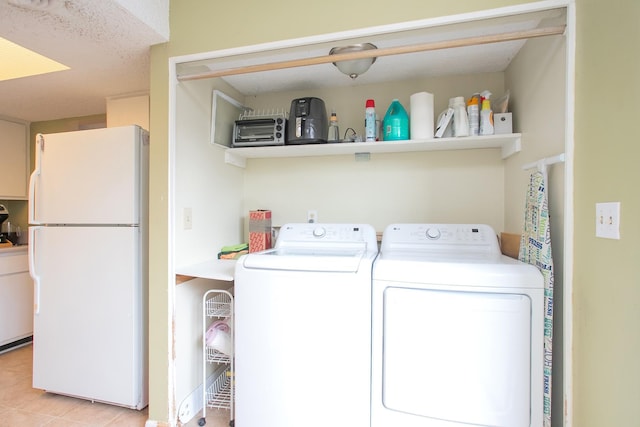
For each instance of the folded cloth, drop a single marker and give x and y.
(232, 255)
(218, 337)
(234, 251)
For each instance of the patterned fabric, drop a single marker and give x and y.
(535, 249)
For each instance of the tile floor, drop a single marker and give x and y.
(21, 405)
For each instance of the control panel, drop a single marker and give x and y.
(326, 234)
(440, 237)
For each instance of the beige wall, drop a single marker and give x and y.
(606, 272)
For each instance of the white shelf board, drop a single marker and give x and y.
(216, 269)
(509, 143)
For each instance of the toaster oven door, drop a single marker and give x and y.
(256, 132)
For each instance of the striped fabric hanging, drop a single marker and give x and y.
(535, 249)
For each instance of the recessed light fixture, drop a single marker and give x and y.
(354, 67)
(18, 62)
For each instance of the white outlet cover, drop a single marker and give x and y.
(187, 219)
(608, 220)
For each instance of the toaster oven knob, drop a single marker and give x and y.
(278, 135)
(279, 120)
(279, 128)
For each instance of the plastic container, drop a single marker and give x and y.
(334, 130)
(460, 118)
(395, 124)
(370, 120)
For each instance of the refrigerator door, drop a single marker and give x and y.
(90, 314)
(88, 177)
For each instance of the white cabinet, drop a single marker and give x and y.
(14, 152)
(16, 296)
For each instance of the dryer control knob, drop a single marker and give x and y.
(433, 233)
(319, 232)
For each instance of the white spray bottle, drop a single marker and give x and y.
(486, 115)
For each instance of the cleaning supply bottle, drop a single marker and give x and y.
(460, 118)
(486, 115)
(395, 124)
(334, 130)
(370, 120)
(473, 112)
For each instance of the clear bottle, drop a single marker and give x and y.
(334, 130)
(460, 118)
(370, 120)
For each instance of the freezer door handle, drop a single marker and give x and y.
(32, 268)
(32, 179)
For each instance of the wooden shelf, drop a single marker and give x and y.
(509, 144)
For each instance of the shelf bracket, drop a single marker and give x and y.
(512, 147)
(234, 160)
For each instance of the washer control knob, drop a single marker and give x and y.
(433, 233)
(319, 232)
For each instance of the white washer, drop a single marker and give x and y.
(457, 330)
(303, 328)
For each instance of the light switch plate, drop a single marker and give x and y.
(608, 220)
(187, 219)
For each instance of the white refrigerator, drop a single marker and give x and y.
(88, 246)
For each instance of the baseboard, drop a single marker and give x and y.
(16, 344)
(192, 404)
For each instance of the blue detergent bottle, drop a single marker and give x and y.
(396, 123)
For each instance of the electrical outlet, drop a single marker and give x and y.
(608, 220)
(187, 219)
(312, 216)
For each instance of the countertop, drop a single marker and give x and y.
(13, 250)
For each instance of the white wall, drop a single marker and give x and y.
(212, 189)
(536, 78)
(461, 186)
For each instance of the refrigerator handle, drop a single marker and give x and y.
(32, 269)
(32, 179)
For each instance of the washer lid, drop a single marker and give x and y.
(346, 257)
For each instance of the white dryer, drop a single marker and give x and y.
(457, 331)
(303, 328)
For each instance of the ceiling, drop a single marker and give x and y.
(475, 58)
(105, 43)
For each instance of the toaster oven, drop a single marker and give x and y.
(255, 131)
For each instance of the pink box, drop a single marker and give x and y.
(259, 230)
